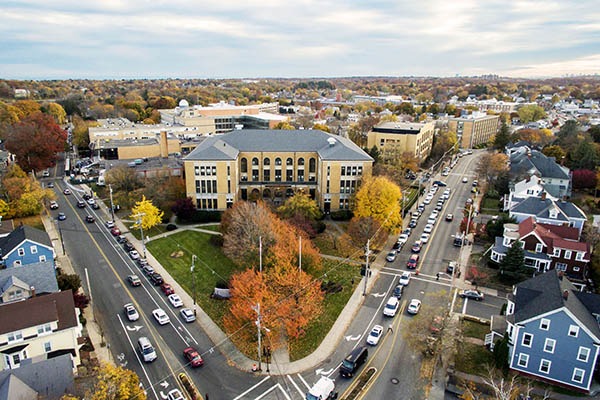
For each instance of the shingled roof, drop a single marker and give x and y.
(16, 237)
(539, 207)
(523, 161)
(545, 293)
(42, 276)
(228, 145)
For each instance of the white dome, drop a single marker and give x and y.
(184, 103)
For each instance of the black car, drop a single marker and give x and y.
(80, 203)
(398, 291)
(413, 223)
(86, 196)
(156, 279)
(397, 246)
(90, 219)
(128, 246)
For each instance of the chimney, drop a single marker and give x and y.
(566, 295)
(32, 290)
(163, 143)
(543, 194)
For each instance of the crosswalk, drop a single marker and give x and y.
(288, 387)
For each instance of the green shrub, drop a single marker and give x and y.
(342, 215)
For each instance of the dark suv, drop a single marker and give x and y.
(156, 279)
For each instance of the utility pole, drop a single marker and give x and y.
(300, 253)
(367, 271)
(257, 309)
(112, 207)
(139, 221)
(260, 254)
(192, 268)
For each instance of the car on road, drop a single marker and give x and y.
(166, 288)
(391, 307)
(61, 216)
(414, 306)
(109, 224)
(67, 192)
(127, 245)
(471, 294)
(397, 246)
(50, 185)
(115, 231)
(404, 278)
(440, 183)
(416, 248)
(391, 256)
(161, 316)
(175, 394)
(451, 267)
(53, 205)
(449, 217)
(428, 228)
(131, 312)
(403, 238)
(90, 219)
(148, 269)
(407, 231)
(91, 201)
(175, 300)
(134, 254)
(80, 204)
(424, 237)
(413, 223)
(156, 279)
(134, 280)
(413, 261)
(464, 179)
(187, 315)
(398, 291)
(375, 335)
(96, 206)
(193, 357)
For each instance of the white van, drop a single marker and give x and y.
(146, 349)
(321, 390)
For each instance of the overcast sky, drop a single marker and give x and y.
(42, 39)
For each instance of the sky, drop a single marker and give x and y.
(111, 39)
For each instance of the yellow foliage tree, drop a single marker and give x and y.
(116, 383)
(57, 111)
(4, 208)
(147, 213)
(284, 125)
(380, 199)
(321, 127)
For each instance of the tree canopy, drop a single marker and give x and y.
(147, 213)
(380, 199)
(530, 113)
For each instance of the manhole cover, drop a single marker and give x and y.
(395, 381)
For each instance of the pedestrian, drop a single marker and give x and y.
(390, 328)
(437, 276)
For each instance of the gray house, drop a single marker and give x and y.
(548, 211)
(525, 162)
(23, 282)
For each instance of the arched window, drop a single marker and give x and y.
(278, 161)
(301, 161)
(289, 161)
(255, 161)
(312, 165)
(267, 161)
(244, 165)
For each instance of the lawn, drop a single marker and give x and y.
(472, 358)
(212, 227)
(489, 204)
(475, 329)
(154, 231)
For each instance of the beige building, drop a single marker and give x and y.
(272, 165)
(402, 137)
(159, 146)
(474, 129)
(39, 328)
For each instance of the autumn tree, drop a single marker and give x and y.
(123, 179)
(584, 179)
(530, 113)
(321, 127)
(56, 111)
(491, 166)
(81, 128)
(301, 211)
(35, 141)
(116, 383)
(554, 151)
(24, 195)
(284, 125)
(146, 213)
(361, 229)
(380, 198)
(184, 208)
(442, 142)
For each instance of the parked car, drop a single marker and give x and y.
(134, 254)
(91, 201)
(187, 315)
(175, 300)
(440, 183)
(175, 394)
(407, 231)
(413, 261)
(193, 357)
(414, 306)
(109, 224)
(53, 205)
(471, 294)
(86, 196)
(115, 231)
(121, 239)
(161, 316)
(391, 256)
(127, 245)
(96, 206)
(424, 237)
(428, 228)
(50, 185)
(475, 183)
(451, 267)
(404, 278)
(375, 335)
(391, 307)
(131, 312)
(156, 279)
(134, 280)
(397, 246)
(166, 288)
(413, 223)
(148, 269)
(403, 238)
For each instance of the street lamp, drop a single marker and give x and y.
(112, 207)
(192, 268)
(139, 222)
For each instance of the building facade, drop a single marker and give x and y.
(474, 129)
(25, 245)
(395, 138)
(272, 165)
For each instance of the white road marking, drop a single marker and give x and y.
(252, 388)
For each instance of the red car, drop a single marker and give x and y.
(115, 231)
(193, 357)
(412, 261)
(167, 289)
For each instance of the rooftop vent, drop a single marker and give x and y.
(331, 141)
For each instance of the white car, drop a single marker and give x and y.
(109, 224)
(434, 214)
(428, 228)
(391, 256)
(428, 199)
(175, 394)
(404, 278)
(131, 312)
(375, 335)
(391, 307)
(161, 316)
(187, 315)
(431, 221)
(425, 237)
(403, 238)
(464, 180)
(91, 201)
(53, 205)
(414, 306)
(134, 254)
(175, 300)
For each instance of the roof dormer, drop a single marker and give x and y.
(553, 213)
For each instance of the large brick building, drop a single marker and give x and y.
(395, 138)
(474, 129)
